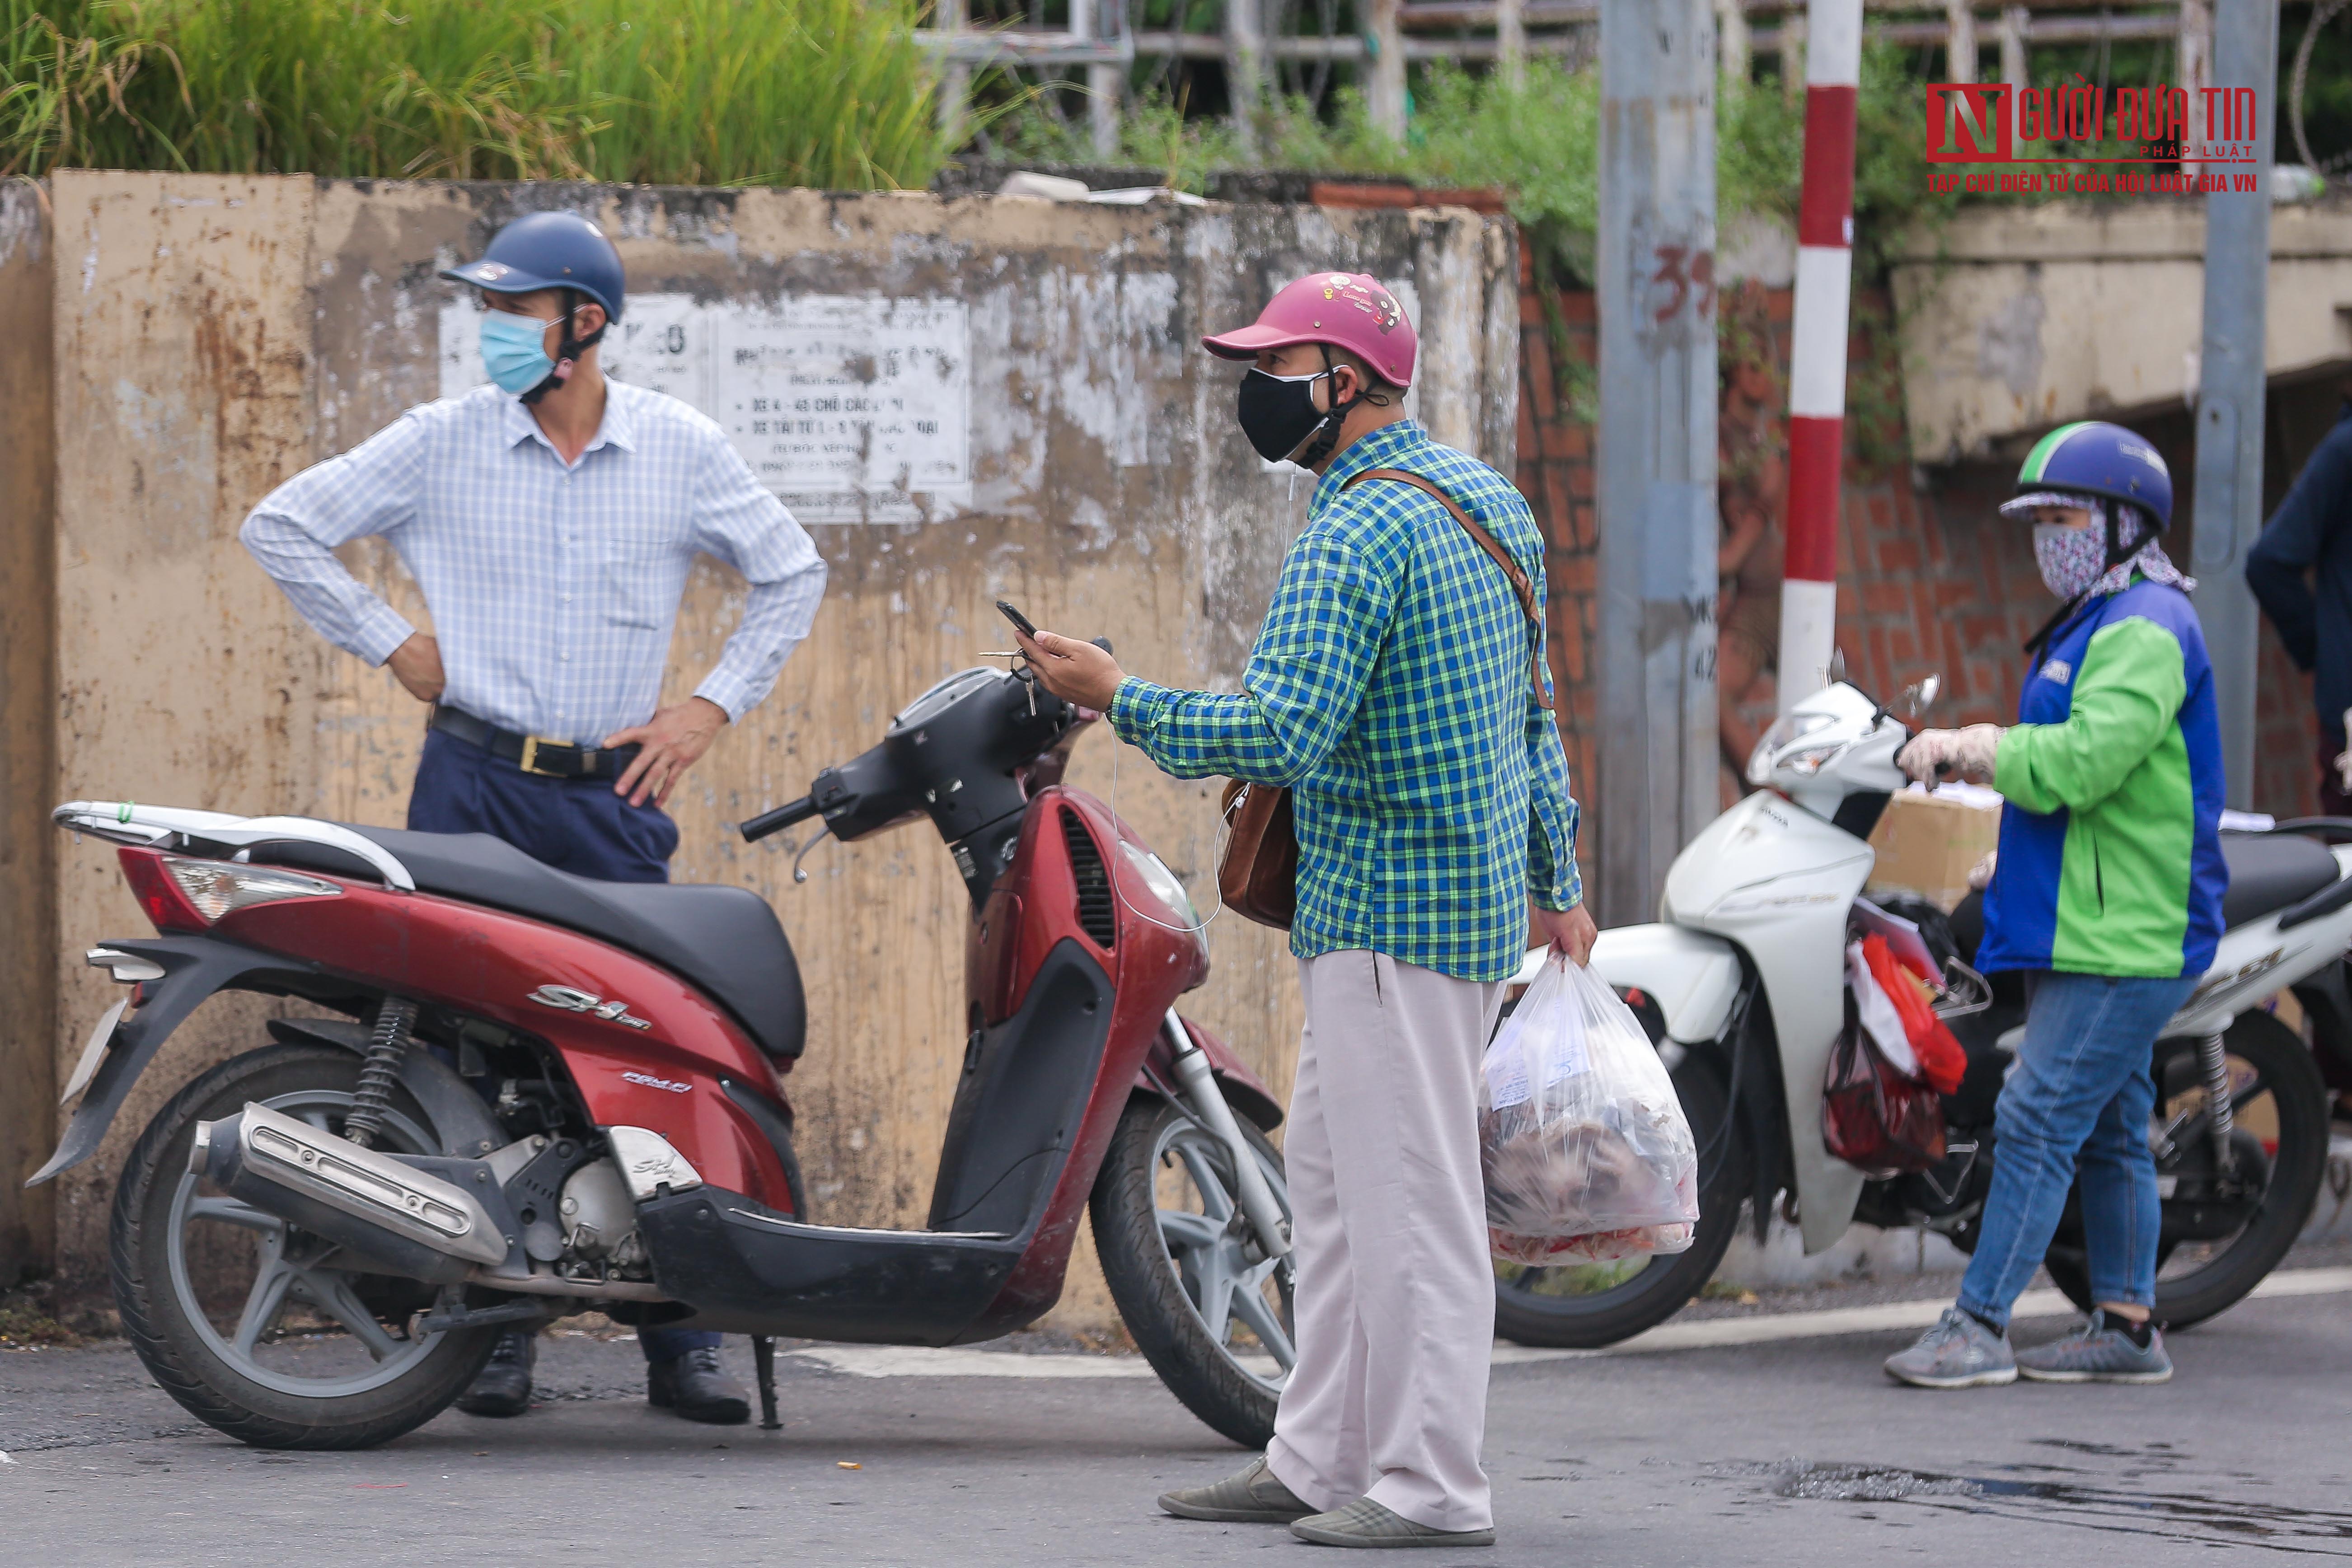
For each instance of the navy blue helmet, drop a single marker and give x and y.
(550, 250)
(2095, 457)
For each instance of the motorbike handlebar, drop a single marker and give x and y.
(782, 817)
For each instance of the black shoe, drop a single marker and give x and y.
(693, 1385)
(504, 1387)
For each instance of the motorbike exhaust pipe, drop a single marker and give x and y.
(410, 1222)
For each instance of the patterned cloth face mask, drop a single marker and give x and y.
(2071, 559)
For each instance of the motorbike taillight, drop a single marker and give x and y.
(184, 894)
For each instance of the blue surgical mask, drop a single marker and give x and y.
(514, 350)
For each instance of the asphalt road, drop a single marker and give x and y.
(1791, 1450)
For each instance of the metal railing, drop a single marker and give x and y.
(1504, 33)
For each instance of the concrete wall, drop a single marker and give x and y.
(214, 335)
(2021, 316)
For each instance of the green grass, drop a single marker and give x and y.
(829, 93)
(1540, 144)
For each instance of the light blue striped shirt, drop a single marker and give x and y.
(553, 589)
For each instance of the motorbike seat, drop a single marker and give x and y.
(2268, 871)
(724, 940)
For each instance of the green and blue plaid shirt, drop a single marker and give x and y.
(1389, 690)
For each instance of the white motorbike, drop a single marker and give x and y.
(1741, 983)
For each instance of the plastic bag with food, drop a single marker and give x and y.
(1586, 1151)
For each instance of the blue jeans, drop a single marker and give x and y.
(2076, 1106)
(578, 826)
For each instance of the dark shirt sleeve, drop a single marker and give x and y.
(2298, 536)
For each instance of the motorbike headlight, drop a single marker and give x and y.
(1163, 884)
(1786, 731)
(1810, 761)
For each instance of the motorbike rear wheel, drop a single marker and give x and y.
(1589, 1305)
(2269, 1067)
(1212, 1318)
(295, 1352)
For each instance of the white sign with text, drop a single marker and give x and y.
(853, 409)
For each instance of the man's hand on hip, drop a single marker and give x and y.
(416, 664)
(673, 740)
(1072, 670)
(1570, 931)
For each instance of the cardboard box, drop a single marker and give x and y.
(1927, 844)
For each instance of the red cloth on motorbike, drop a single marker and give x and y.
(1941, 1059)
(1873, 1115)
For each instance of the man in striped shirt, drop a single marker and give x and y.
(551, 519)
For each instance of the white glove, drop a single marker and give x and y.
(1934, 755)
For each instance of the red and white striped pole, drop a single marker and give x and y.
(1817, 357)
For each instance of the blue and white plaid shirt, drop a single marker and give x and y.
(553, 589)
(1389, 690)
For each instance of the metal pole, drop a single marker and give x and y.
(1103, 82)
(1244, 68)
(1384, 93)
(2237, 110)
(1817, 359)
(2013, 24)
(955, 82)
(1732, 50)
(1961, 40)
(1511, 43)
(1659, 770)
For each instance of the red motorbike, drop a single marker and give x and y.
(527, 1094)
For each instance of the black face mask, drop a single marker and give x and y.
(1279, 414)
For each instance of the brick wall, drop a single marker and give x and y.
(1556, 476)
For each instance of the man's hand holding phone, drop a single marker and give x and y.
(1074, 671)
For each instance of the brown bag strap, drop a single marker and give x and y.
(1520, 584)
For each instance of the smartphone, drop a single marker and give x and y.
(1020, 622)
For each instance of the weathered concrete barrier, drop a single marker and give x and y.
(2023, 314)
(1035, 421)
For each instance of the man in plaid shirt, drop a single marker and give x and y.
(1396, 688)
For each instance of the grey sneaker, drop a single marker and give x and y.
(2097, 1351)
(1957, 1352)
(1364, 1523)
(1254, 1497)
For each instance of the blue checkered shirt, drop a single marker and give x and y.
(553, 588)
(1389, 690)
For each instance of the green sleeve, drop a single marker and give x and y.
(2127, 695)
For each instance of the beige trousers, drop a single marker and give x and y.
(1395, 1297)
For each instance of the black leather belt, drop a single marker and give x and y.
(547, 759)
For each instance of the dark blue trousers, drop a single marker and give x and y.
(578, 826)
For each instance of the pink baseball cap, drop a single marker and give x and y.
(1346, 310)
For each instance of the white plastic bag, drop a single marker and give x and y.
(1586, 1151)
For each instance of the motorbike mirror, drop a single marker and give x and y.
(1837, 665)
(1920, 695)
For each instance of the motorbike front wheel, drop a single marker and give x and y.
(255, 1325)
(1211, 1316)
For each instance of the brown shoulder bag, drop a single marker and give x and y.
(1257, 877)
